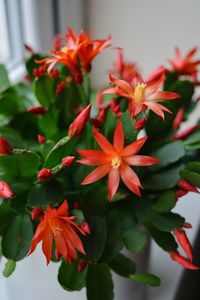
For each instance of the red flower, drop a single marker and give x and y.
(123, 69)
(44, 174)
(185, 65)
(76, 128)
(58, 226)
(37, 110)
(182, 260)
(115, 160)
(141, 95)
(5, 147)
(5, 190)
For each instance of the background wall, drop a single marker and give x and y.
(147, 30)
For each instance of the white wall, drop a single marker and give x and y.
(148, 30)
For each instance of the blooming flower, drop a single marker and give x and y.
(5, 190)
(142, 95)
(57, 225)
(115, 160)
(185, 65)
(5, 147)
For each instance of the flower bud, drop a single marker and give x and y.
(178, 119)
(44, 175)
(5, 190)
(82, 265)
(67, 161)
(184, 134)
(37, 110)
(36, 213)
(60, 87)
(41, 139)
(184, 242)
(85, 228)
(185, 185)
(140, 124)
(182, 260)
(5, 147)
(76, 128)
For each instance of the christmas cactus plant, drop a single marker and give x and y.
(89, 173)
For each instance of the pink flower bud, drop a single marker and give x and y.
(82, 265)
(85, 228)
(180, 193)
(60, 87)
(5, 147)
(187, 225)
(37, 110)
(185, 185)
(36, 213)
(140, 124)
(178, 119)
(76, 128)
(5, 190)
(41, 139)
(44, 175)
(69, 79)
(184, 134)
(67, 161)
(182, 260)
(54, 73)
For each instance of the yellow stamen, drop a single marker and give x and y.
(139, 92)
(116, 162)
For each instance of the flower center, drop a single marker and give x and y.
(57, 231)
(139, 92)
(116, 162)
(64, 49)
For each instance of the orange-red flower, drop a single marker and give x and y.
(185, 65)
(115, 160)
(57, 225)
(123, 69)
(142, 95)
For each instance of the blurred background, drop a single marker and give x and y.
(148, 31)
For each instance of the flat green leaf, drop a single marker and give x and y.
(166, 222)
(9, 268)
(122, 265)
(69, 277)
(164, 239)
(99, 283)
(135, 240)
(168, 154)
(192, 173)
(62, 149)
(130, 132)
(165, 202)
(42, 194)
(146, 278)
(44, 90)
(9, 102)
(17, 238)
(6, 215)
(22, 165)
(163, 180)
(4, 80)
(94, 243)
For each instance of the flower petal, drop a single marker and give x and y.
(47, 244)
(113, 182)
(130, 179)
(93, 157)
(141, 160)
(97, 174)
(63, 209)
(155, 108)
(162, 95)
(118, 141)
(134, 147)
(103, 142)
(37, 236)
